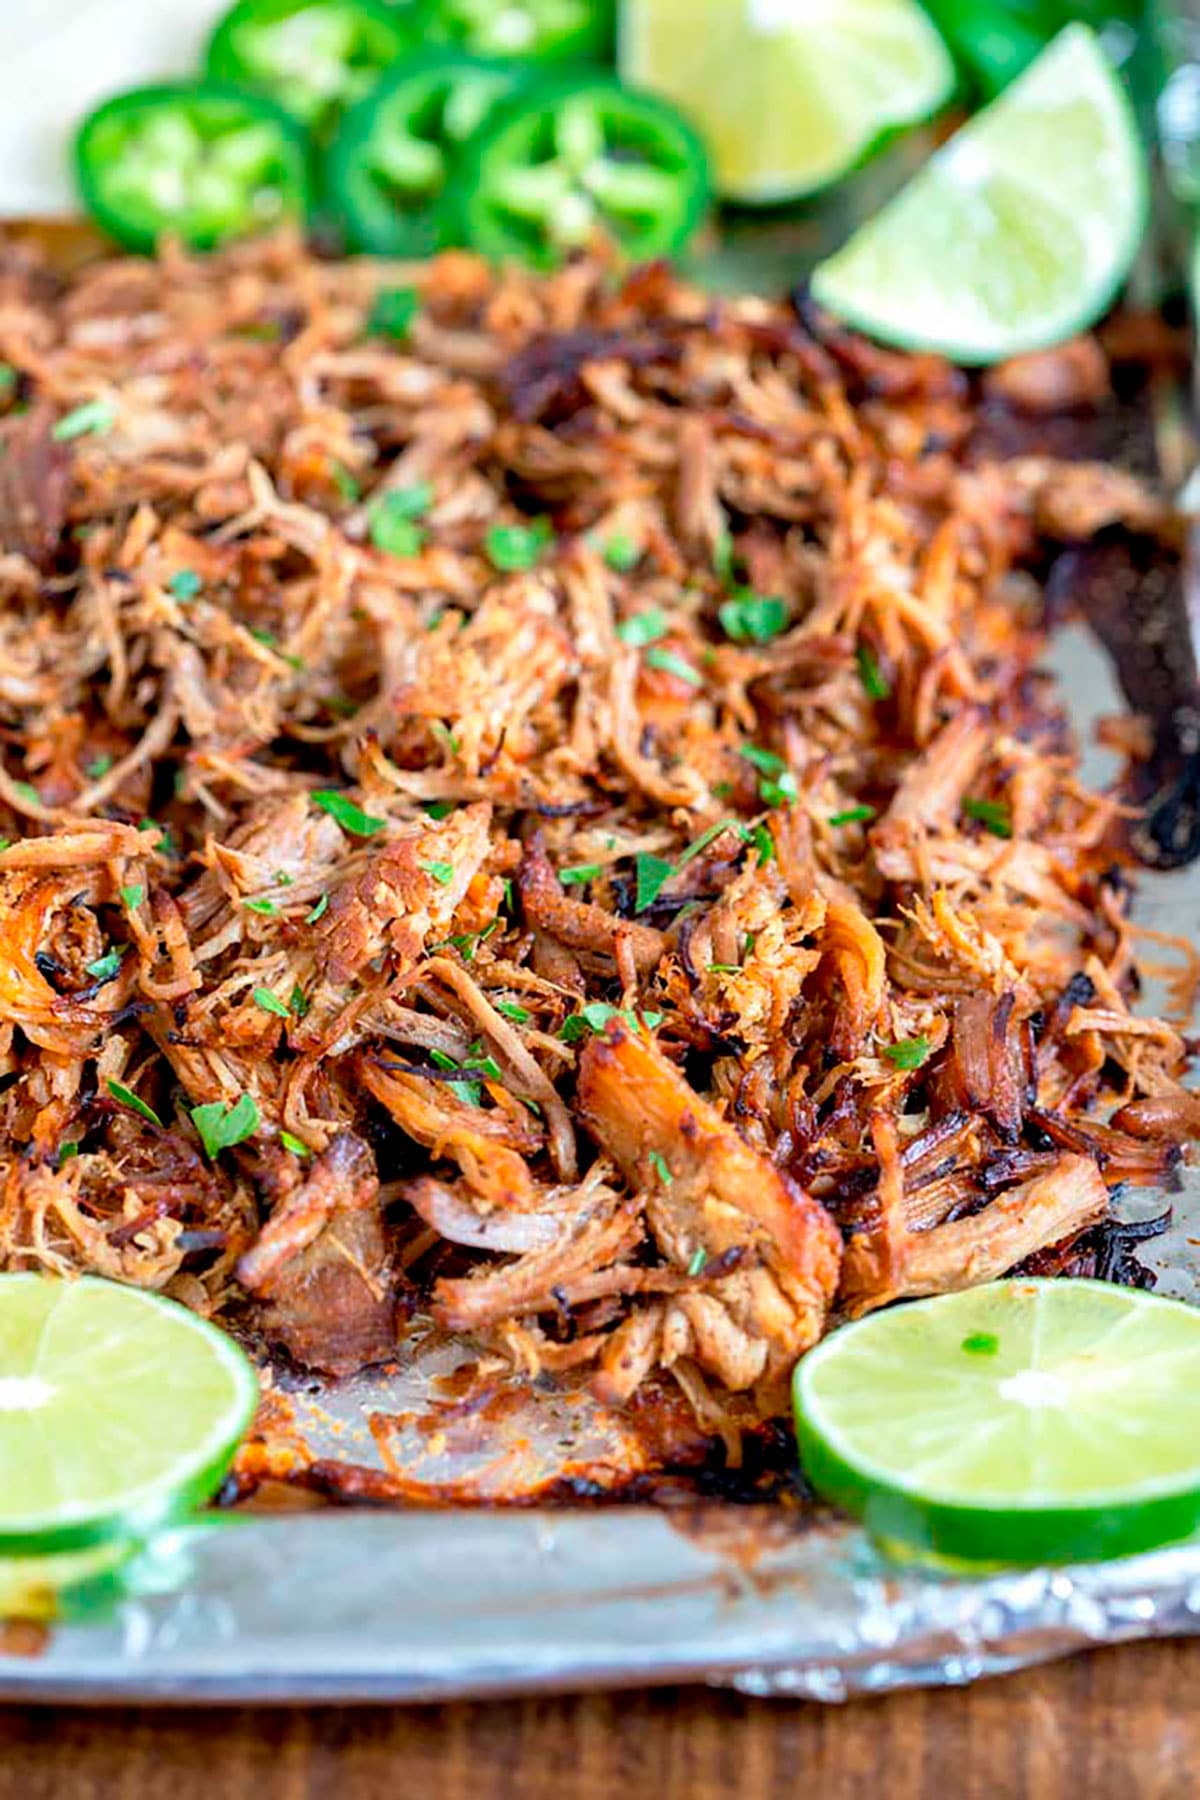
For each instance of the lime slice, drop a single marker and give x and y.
(789, 96)
(1016, 234)
(118, 1409)
(1021, 1422)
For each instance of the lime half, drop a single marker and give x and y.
(1018, 232)
(118, 1409)
(1021, 1422)
(789, 96)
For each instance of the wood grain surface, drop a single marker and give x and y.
(1113, 1725)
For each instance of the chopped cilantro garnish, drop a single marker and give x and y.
(444, 735)
(8, 378)
(666, 660)
(294, 1144)
(907, 1053)
(270, 642)
(28, 792)
(581, 873)
(513, 547)
(392, 517)
(221, 1126)
(267, 908)
(778, 793)
(105, 967)
(66, 1152)
(993, 815)
(298, 1001)
(349, 815)
(875, 682)
(507, 885)
(980, 1343)
(318, 911)
(750, 618)
(510, 1010)
(592, 1017)
(699, 1258)
(442, 872)
(723, 557)
(133, 895)
(185, 584)
(622, 554)
(393, 313)
(724, 968)
(126, 1097)
(396, 535)
(270, 1002)
(93, 418)
(344, 482)
(764, 843)
(439, 809)
(765, 761)
(853, 815)
(98, 767)
(643, 628)
(653, 873)
(658, 1163)
(700, 844)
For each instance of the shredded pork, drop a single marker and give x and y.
(654, 913)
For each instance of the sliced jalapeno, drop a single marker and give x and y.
(543, 30)
(200, 161)
(396, 150)
(313, 57)
(567, 161)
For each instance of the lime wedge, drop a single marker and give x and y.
(1018, 232)
(1021, 1422)
(118, 1410)
(789, 96)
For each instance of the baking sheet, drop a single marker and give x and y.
(420, 1605)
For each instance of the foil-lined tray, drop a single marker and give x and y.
(419, 1605)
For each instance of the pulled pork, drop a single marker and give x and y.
(552, 826)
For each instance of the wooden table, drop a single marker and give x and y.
(1113, 1725)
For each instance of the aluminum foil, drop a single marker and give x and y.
(420, 1605)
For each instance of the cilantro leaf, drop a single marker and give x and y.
(750, 618)
(643, 628)
(318, 911)
(653, 873)
(658, 1163)
(442, 872)
(514, 547)
(105, 967)
(853, 815)
(267, 908)
(875, 682)
(993, 815)
(907, 1053)
(622, 554)
(581, 873)
(270, 1002)
(93, 418)
(185, 584)
(671, 664)
(133, 895)
(510, 1010)
(126, 1097)
(221, 1126)
(349, 815)
(296, 1145)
